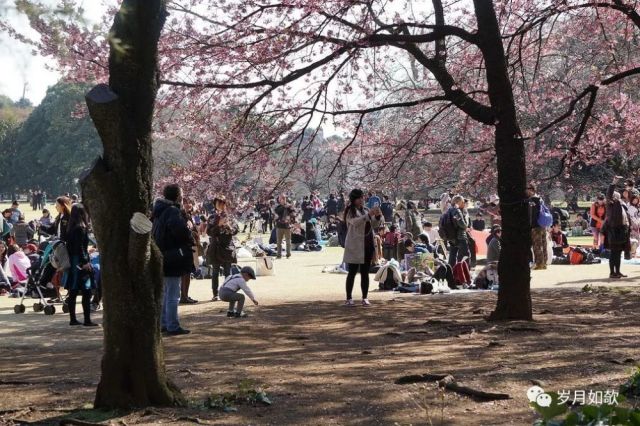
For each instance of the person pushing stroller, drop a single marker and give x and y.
(229, 291)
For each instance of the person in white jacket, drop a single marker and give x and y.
(229, 292)
(359, 247)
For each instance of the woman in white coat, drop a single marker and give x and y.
(359, 247)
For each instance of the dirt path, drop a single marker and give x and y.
(321, 363)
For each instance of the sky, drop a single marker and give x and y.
(17, 63)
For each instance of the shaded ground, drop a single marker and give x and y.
(323, 364)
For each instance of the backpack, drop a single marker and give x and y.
(59, 257)
(446, 226)
(545, 218)
(6, 228)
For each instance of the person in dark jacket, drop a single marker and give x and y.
(459, 248)
(59, 227)
(387, 209)
(616, 230)
(221, 252)
(22, 232)
(495, 245)
(341, 202)
(478, 224)
(174, 239)
(79, 277)
(332, 206)
(307, 209)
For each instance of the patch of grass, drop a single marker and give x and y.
(248, 393)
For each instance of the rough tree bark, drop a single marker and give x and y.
(118, 186)
(514, 296)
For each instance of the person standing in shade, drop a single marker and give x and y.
(616, 230)
(495, 246)
(459, 248)
(359, 247)
(79, 277)
(173, 238)
(221, 252)
(538, 233)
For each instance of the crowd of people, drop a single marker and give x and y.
(22, 256)
(389, 238)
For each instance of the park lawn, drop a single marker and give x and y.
(28, 212)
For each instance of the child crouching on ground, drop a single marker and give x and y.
(229, 291)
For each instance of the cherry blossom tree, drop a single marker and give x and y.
(478, 93)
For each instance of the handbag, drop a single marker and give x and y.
(264, 266)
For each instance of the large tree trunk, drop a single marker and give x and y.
(514, 296)
(118, 186)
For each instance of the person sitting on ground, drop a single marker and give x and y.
(391, 238)
(229, 292)
(432, 234)
(19, 263)
(411, 247)
(31, 250)
(22, 232)
(5, 281)
(581, 222)
(45, 220)
(423, 243)
(478, 223)
(559, 240)
(15, 212)
(495, 245)
(5, 231)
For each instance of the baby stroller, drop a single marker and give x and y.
(39, 285)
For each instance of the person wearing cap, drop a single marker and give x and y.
(229, 292)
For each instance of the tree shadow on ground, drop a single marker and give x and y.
(321, 363)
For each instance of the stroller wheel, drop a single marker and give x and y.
(49, 310)
(19, 309)
(65, 308)
(38, 307)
